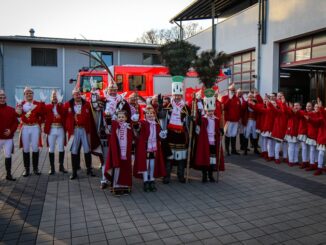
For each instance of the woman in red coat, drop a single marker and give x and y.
(209, 154)
(149, 162)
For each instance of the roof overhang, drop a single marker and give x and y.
(202, 9)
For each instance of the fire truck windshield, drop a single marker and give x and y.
(87, 82)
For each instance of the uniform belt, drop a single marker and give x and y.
(78, 126)
(56, 125)
(30, 124)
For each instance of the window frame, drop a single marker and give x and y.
(101, 52)
(44, 57)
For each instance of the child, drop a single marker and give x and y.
(149, 158)
(209, 155)
(119, 155)
(311, 141)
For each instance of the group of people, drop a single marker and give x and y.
(147, 141)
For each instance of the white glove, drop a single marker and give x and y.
(114, 117)
(135, 117)
(42, 97)
(197, 129)
(163, 134)
(200, 105)
(59, 97)
(19, 101)
(108, 129)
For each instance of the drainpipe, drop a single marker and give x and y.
(213, 27)
(2, 81)
(259, 45)
(64, 72)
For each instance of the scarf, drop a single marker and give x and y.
(54, 110)
(28, 106)
(175, 120)
(122, 137)
(151, 143)
(211, 129)
(77, 108)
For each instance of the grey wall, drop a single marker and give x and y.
(18, 71)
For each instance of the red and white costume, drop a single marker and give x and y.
(6, 141)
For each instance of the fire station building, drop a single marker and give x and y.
(45, 63)
(276, 45)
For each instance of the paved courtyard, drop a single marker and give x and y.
(254, 203)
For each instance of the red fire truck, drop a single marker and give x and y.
(146, 80)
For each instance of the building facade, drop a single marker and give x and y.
(49, 63)
(291, 56)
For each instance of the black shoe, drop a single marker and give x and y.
(62, 169)
(166, 180)
(9, 177)
(104, 185)
(90, 172)
(51, 172)
(204, 176)
(152, 186)
(36, 172)
(26, 160)
(211, 178)
(146, 186)
(26, 173)
(8, 169)
(35, 156)
(73, 176)
(182, 179)
(235, 153)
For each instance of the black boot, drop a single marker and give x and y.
(233, 146)
(27, 160)
(152, 186)
(35, 156)
(255, 143)
(74, 159)
(210, 173)
(242, 142)
(146, 186)
(227, 145)
(8, 169)
(204, 175)
(166, 179)
(181, 171)
(61, 161)
(245, 142)
(51, 157)
(78, 161)
(88, 163)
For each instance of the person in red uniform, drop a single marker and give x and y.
(78, 123)
(119, 155)
(209, 154)
(31, 114)
(8, 128)
(54, 129)
(302, 136)
(149, 161)
(291, 135)
(232, 109)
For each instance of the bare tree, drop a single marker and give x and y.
(162, 36)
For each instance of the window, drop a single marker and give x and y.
(151, 59)
(303, 49)
(137, 83)
(119, 81)
(243, 68)
(44, 57)
(107, 57)
(86, 83)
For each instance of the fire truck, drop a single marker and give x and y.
(146, 80)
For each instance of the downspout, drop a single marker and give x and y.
(213, 27)
(2, 82)
(259, 45)
(63, 71)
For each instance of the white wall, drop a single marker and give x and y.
(286, 19)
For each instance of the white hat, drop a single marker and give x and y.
(53, 92)
(27, 89)
(177, 85)
(2, 92)
(209, 100)
(112, 85)
(75, 90)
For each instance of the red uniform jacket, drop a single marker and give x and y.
(312, 130)
(114, 160)
(303, 126)
(81, 120)
(280, 123)
(260, 117)
(319, 121)
(202, 159)
(293, 122)
(9, 121)
(232, 108)
(141, 152)
(50, 118)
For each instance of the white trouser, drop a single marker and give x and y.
(250, 129)
(30, 137)
(304, 152)
(271, 147)
(312, 154)
(293, 152)
(57, 135)
(80, 136)
(285, 149)
(116, 178)
(149, 174)
(231, 129)
(321, 155)
(7, 145)
(263, 141)
(278, 146)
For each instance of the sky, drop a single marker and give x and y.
(111, 20)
